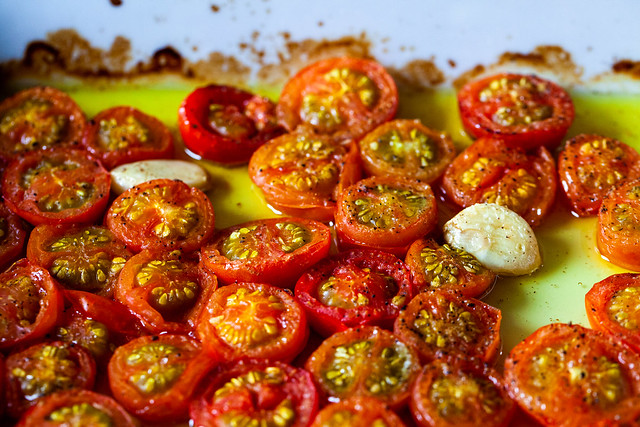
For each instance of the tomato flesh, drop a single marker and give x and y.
(12, 236)
(357, 412)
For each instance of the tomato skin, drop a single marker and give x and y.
(478, 115)
(365, 273)
(252, 115)
(256, 389)
(276, 262)
(363, 412)
(13, 235)
(253, 320)
(354, 117)
(162, 214)
(153, 140)
(81, 179)
(552, 375)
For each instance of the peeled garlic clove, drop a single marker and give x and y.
(129, 175)
(498, 237)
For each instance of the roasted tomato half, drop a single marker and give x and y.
(573, 376)
(489, 171)
(613, 306)
(385, 213)
(124, 135)
(226, 124)
(345, 97)
(444, 267)
(81, 257)
(253, 320)
(77, 408)
(274, 251)
(162, 214)
(256, 392)
(37, 118)
(619, 226)
(43, 369)
(355, 288)
(357, 412)
(57, 186)
(302, 173)
(441, 323)
(166, 290)
(460, 392)
(154, 377)
(13, 235)
(406, 148)
(525, 111)
(30, 304)
(365, 361)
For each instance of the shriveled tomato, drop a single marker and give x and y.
(355, 288)
(440, 323)
(125, 134)
(256, 392)
(302, 173)
(253, 320)
(619, 226)
(226, 124)
(114, 315)
(43, 369)
(13, 235)
(82, 257)
(406, 148)
(357, 412)
(154, 377)
(91, 335)
(460, 392)
(444, 267)
(162, 214)
(346, 97)
(365, 361)
(37, 118)
(30, 304)
(525, 111)
(385, 213)
(274, 251)
(613, 306)
(489, 171)
(167, 291)
(573, 376)
(77, 408)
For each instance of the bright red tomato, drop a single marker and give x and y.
(525, 111)
(13, 235)
(357, 412)
(114, 315)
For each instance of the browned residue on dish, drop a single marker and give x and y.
(418, 74)
(628, 68)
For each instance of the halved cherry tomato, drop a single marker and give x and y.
(37, 118)
(274, 251)
(30, 304)
(441, 323)
(125, 134)
(406, 148)
(43, 369)
(573, 376)
(154, 377)
(365, 361)
(346, 97)
(387, 213)
(77, 408)
(613, 306)
(93, 336)
(165, 290)
(525, 111)
(619, 226)
(253, 320)
(460, 392)
(256, 392)
(226, 124)
(590, 165)
(57, 186)
(162, 214)
(13, 236)
(302, 173)
(357, 412)
(355, 288)
(83, 257)
(489, 171)
(444, 267)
